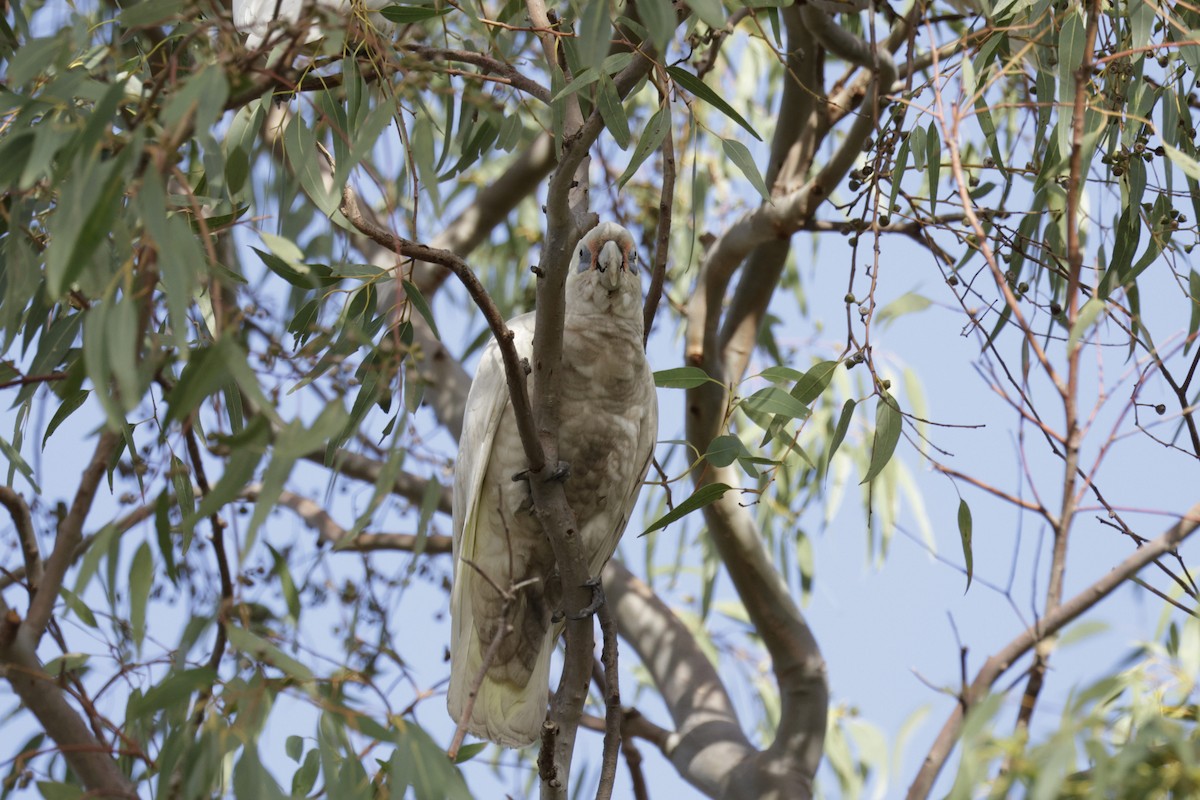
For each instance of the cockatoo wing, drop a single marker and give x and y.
(503, 712)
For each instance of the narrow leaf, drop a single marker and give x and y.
(141, 578)
(705, 495)
(651, 140)
(700, 89)
(964, 532)
(680, 378)
(419, 303)
(1087, 315)
(739, 154)
(405, 15)
(887, 435)
(773, 400)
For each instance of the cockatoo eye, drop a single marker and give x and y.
(585, 260)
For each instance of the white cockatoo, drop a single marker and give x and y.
(609, 425)
(256, 18)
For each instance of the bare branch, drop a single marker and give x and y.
(18, 509)
(708, 740)
(330, 532)
(70, 534)
(360, 467)
(41, 695)
(1049, 624)
(507, 71)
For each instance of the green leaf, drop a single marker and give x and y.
(898, 172)
(251, 779)
(305, 777)
(1087, 315)
(933, 157)
(181, 479)
(839, 433)
(287, 587)
(294, 747)
(247, 448)
(681, 378)
(262, 650)
(77, 605)
(773, 400)
(1186, 163)
(724, 450)
(887, 434)
(613, 111)
(651, 139)
(419, 303)
(87, 208)
(710, 12)
(964, 533)
(697, 87)
(420, 763)
(907, 303)
(659, 18)
(300, 147)
(739, 154)
(141, 578)
(813, 383)
(406, 15)
(19, 463)
(175, 690)
(69, 405)
(1194, 323)
(593, 35)
(705, 495)
(469, 751)
(204, 374)
(59, 791)
(778, 374)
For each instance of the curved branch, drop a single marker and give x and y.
(1048, 625)
(18, 509)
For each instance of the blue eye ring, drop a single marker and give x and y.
(584, 259)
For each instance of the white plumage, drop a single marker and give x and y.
(609, 425)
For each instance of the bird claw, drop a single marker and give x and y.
(597, 599)
(559, 473)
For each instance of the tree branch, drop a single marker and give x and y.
(355, 465)
(18, 509)
(708, 740)
(1049, 624)
(70, 534)
(87, 756)
(330, 532)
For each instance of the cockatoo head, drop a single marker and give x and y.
(605, 271)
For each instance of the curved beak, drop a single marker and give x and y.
(610, 262)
